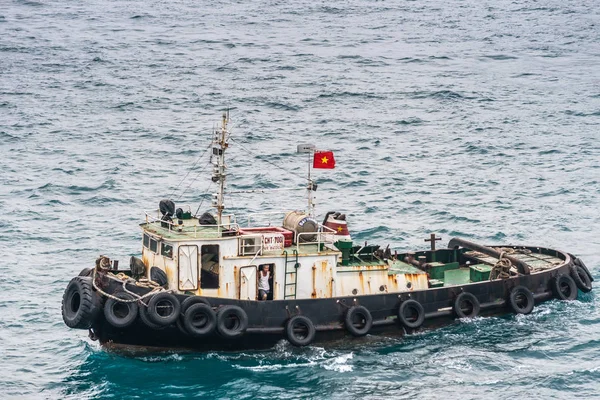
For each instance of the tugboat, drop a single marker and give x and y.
(206, 282)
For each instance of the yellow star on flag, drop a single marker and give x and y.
(339, 228)
(324, 160)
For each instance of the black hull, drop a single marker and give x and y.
(267, 319)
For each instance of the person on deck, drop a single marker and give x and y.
(263, 283)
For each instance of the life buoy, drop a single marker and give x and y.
(411, 314)
(521, 300)
(564, 287)
(199, 320)
(232, 321)
(120, 314)
(358, 320)
(163, 308)
(581, 278)
(300, 331)
(466, 305)
(191, 300)
(80, 304)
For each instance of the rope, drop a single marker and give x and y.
(501, 270)
(190, 170)
(193, 180)
(202, 196)
(126, 279)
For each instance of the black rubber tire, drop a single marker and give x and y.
(161, 302)
(581, 278)
(358, 320)
(232, 321)
(199, 320)
(180, 326)
(190, 301)
(86, 272)
(80, 304)
(119, 314)
(564, 287)
(472, 305)
(577, 261)
(300, 331)
(521, 300)
(143, 313)
(417, 316)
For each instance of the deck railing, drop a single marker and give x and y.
(228, 224)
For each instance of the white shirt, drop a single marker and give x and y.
(263, 281)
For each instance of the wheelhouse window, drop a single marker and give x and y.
(153, 246)
(209, 257)
(146, 241)
(166, 250)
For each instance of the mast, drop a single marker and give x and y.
(310, 150)
(219, 146)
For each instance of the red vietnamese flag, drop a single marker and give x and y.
(324, 160)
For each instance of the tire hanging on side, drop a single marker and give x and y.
(521, 300)
(300, 331)
(466, 305)
(163, 308)
(191, 300)
(581, 278)
(80, 303)
(358, 320)
(411, 314)
(232, 321)
(564, 287)
(199, 320)
(143, 313)
(577, 261)
(120, 314)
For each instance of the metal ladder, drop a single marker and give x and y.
(291, 275)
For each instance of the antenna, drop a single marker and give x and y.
(221, 135)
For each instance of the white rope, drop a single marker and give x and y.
(137, 297)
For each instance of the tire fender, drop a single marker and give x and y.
(163, 308)
(564, 287)
(470, 301)
(81, 305)
(199, 320)
(232, 321)
(358, 320)
(300, 331)
(118, 313)
(143, 313)
(191, 300)
(411, 314)
(521, 300)
(577, 261)
(581, 278)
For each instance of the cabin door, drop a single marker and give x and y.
(248, 282)
(188, 267)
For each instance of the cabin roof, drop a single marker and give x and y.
(184, 232)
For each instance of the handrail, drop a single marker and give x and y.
(321, 238)
(173, 226)
(327, 228)
(266, 213)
